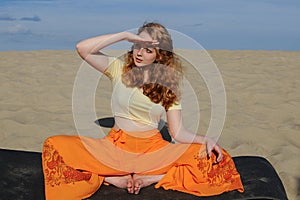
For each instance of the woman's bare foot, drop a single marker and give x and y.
(140, 181)
(121, 182)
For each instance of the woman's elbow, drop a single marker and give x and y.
(81, 50)
(174, 132)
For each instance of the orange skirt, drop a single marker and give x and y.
(75, 167)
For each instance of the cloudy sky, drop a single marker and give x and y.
(215, 24)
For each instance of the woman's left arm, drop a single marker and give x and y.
(182, 135)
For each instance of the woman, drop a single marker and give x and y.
(133, 154)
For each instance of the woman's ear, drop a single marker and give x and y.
(158, 58)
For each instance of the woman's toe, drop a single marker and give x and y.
(137, 186)
(130, 188)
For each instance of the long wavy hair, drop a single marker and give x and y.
(164, 75)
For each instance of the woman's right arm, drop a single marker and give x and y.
(88, 49)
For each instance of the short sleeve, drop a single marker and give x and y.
(114, 69)
(175, 106)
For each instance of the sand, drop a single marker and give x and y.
(262, 116)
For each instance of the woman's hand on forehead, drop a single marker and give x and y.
(140, 40)
(143, 45)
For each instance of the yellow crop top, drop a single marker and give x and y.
(131, 103)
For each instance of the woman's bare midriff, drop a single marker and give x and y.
(131, 125)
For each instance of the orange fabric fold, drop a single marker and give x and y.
(75, 166)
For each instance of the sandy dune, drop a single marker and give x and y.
(262, 117)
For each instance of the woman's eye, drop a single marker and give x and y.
(149, 50)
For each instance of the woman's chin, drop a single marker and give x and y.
(139, 64)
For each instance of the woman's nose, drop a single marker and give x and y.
(140, 51)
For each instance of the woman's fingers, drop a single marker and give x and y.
(137, 39)
(219, 152)
(209, 151)
(155, 42)
(213, 147)
(148, 42)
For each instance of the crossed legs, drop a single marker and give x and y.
(133, 183)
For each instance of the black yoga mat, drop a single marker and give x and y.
(21, 178)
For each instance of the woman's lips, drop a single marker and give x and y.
(138, 60)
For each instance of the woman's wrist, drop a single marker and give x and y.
(200, 139)
(124, 35)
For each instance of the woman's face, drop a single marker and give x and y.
(143, 54)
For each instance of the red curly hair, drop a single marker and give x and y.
(164, 74)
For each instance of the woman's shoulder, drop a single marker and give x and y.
(114, 69)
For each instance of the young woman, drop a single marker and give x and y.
(134, 155)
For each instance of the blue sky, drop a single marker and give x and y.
(215, 24)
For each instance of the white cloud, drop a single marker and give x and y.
(15, 29)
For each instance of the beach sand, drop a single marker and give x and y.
(262, 117)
